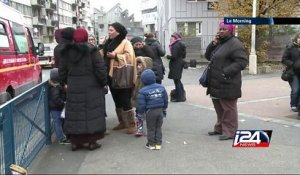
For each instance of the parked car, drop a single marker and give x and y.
(46, 58)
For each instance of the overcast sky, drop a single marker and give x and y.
(133, 6)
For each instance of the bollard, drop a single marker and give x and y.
(193, 63)
(16, 169)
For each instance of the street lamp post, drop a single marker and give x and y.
(253, 56)
(94, 24)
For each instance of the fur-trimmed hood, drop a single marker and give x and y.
(146, 62)
(74, 52)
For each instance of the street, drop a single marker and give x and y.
(186, 147)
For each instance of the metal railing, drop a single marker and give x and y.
(24, 127)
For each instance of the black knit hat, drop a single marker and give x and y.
(54, 75)
(119, 28)
(136, 39)
(67, 33)
(176, 35)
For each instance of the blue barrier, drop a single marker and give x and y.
(24, 127)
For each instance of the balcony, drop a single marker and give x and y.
(38, 21)
(80, 17)
(49, 23)
(74, 4)
(50, 6)
(44, 30)
(54, 23)
(43, 12)
(74, 20)
(74, 14)
(37, 3)
(50, 33)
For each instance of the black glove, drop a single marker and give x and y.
(169, 57)
(105, 89)
(225, 77)
(140, 116)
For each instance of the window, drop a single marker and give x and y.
(3, 37)
(30, 41)
(189, 29)
(20, 38)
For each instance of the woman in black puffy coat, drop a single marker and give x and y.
(84, 72)
(158, 66)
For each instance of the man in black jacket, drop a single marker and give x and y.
(228, 58)
(291, 59)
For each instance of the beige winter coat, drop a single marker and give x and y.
(124, 52)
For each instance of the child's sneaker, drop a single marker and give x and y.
(140, 127)
(139, 133)
(64, 141)
(157, 147)
(151, 147)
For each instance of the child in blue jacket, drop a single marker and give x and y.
(152, 103)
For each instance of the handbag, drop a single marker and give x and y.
(203, 80)
(287, 74)
(123, 76)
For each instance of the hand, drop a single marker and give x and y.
(169, 57)
(164, 113)
(216, 39)
(225, 77)
(111, 55)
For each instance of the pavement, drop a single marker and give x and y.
(187, 148)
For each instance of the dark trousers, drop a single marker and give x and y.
(179, 89)
(122, 98)
(154, 120)
(227, 116)
(294, 84)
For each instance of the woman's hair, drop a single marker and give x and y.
(90, 35)
(296, 37)
(119, 28)
(149, 35)
(67, 33)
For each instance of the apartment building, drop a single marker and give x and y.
(43, 17)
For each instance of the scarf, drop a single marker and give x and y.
(172, 44)
(110, 45)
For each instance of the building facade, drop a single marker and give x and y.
(196, 20)
(149, 15)
(116, 14)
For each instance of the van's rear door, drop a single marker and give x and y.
(24, 69)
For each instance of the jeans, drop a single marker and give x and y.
(179, 89)
(294, 84)
(57, 124)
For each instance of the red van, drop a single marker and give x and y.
(19, 64)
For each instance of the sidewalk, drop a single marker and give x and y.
(264, 97)
(186, 147)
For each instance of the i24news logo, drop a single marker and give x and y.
(252, 138)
